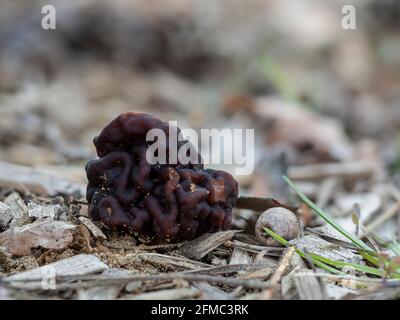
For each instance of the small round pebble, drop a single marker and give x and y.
(280, 220)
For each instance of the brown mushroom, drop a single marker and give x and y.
(171, 201)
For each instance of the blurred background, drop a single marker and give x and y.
(324, 101)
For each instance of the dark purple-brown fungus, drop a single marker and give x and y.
(169, 202)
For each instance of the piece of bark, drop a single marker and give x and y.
(209, 292)
(49, 234)
(228, 269)
(5, 216)
(133, 286)
(308, 286)
(5, 260)
(38, 278)
(270, 251)
(5, 294)
(261, 274)
(380, 293)
(43, 211)
(95, 230)
(169, 261)
(316, 245)
(284, 267)
(171, 294)
(288, 286)
(330, 234)
(337, 292)
(19, 209)
(201, 246)
(106, 292)
(88, 281)
(240, 256)
(38, 182)
(261, 258)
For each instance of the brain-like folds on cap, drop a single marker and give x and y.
(171, 201)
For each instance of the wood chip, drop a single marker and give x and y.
(288, 286)
(133, 286)
(308, 286)
(19, 209)
(316, 245)
(240, 256)
(5, 260)
(262, 274)
(204, 244)
(171, 294)
(228, 269)
(380, 293)
(43, 211)
(88, 281)
(95, 230)
(284, 267)
(169, 261)
(338, 292)
(327, 232)
(5, 216)
(48, 234)
(209, 292)
(78, 265)
(107, 292)
(5, 294)
(271, 251)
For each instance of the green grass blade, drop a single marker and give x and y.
(318, 263)
(325, 216)
(371, 258)
(329, 264)
(341, 264)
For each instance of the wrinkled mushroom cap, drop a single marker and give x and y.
(158, 201)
